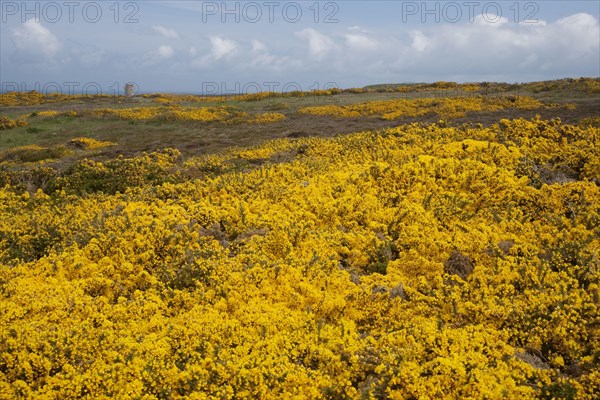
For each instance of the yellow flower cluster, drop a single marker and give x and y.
(33, 97)
(419, 262)
(593, 86)
(163, 98)
(89, 144)
(205, 114)
(267, 118)
(445, 107)
(586, 85)
(47, 113)
(7, 123)
(134, 113)
(591, 121)
(174, 113)
(13, 152)
(254, 96)
(32, 153)
(170, 98)
(21, 98)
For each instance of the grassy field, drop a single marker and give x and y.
(193, 138)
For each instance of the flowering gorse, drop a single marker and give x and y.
(451, 107)
(421, 261)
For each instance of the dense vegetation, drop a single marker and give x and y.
(586, 85)
(422, 261)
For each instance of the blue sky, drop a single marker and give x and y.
(215, 46)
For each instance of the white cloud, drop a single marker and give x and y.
(319, 45)
(151, 58)
(420, 42)
(357, 28)
(360, 42)
(165, 51)
(258, 46)
(578, 21)
(221, 47)
(262, 58)
(166, 32)
(349, 55)
(33, 40)
(476, 50)
(489, 19)
(579, 30)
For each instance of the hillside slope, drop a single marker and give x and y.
(421, 261)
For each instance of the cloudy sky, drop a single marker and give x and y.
(244, 46)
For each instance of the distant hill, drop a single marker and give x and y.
(590, 85)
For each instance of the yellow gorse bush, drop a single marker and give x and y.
(444, 108)
(89, 144)
(21, 98)
(421, 261)
(267, 118)
(33, 98)
(7, 123)
(173, 113)
(135, 113)
(591, 121)
(47, 113)
(205, 114)
(15, 151)
(31, 153)
(162, 98)
(34, 152)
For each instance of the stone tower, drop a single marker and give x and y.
(129, 89)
